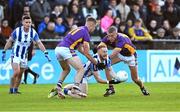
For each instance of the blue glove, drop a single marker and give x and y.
(3, 55)
(47, 56)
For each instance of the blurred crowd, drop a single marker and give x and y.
(139, 19)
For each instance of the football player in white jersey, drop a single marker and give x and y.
(21, 38)
(90, 69)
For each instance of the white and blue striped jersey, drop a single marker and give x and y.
(89, 66)
(22, 41)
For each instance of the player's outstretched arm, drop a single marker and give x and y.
(7, 45)
(41, 46)
(115, 52)
(98, 78)
(87, 54)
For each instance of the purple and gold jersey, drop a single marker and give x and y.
(122, 42)
(75, 37)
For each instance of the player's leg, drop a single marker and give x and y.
(74, 91)
(110, 90)
(66, 69)
(76, 63)
(84, 88)
(108, 72)
(34, 74)
(18, 81)
(25, 76)
(16, 70)
(135, 78)
(133, 66)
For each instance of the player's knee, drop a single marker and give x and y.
(67, 70)
(80, 69)
(16, 73)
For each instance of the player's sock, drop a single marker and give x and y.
(76, 84)
(59, 85)
(15, 90)
(11, 90)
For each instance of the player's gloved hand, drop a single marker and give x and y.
(101, 66)
(114, 81)
(47, 56)
(3, 55)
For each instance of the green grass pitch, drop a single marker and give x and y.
(128, 98)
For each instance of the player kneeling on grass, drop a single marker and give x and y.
(90, 69)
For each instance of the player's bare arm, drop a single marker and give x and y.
(8, 44)
(41, 46)
(86, 53)
(115, 52)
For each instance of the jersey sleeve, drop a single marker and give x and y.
(104, 40)
(108, 62)
(36, 36)
(14, 35)
(86, 36)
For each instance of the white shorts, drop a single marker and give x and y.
(130, 60)
(22, 62)
(63, 53)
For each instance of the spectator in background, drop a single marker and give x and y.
(167, 27)
(157, 15)
(175, 34)
(143, 9)
(112, 6)
(171, 12)
(160, 34)
(137, 32)
(1, 13)
(60, 29)
(2, 40)
(43, 24)
(135, 13)
(128, 25)
(106, 21)
(77, 15)
(152, 5)
(39, 10)
(103, 7)
(89, 10)
(152, 27)
(17, 11)
(49, 32)
(59, 11)
(69, 23)
(26, 11)
(6, 30)
(117, 22)
(122, 27)
(124, 10)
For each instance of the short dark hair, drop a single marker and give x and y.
(26, 17)
(89, 18)
(112, 29)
